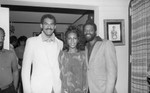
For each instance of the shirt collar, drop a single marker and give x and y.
(46, 39)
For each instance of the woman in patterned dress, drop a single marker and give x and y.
(72, 64)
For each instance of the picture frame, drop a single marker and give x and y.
(114, 30)
(35, 34)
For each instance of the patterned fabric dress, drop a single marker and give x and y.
(73, 72)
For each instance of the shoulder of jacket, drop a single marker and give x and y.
(59, 41)
(106, 41)
(32, 38)
(9, 51)
(6, 50)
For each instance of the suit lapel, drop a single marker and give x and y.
(94, 51)
(86, 56)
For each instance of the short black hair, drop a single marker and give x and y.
(22, 38)
(48, 16)
(2, 30)
(92, 24)
(13, 39)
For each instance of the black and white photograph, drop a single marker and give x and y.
(74, 46)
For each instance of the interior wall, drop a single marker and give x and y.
(104, 9)
(118, 12)
(28, 29)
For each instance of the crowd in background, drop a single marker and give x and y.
(17, 45)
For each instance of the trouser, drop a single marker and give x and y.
(10, 89)
(20, 87)
(88, 90)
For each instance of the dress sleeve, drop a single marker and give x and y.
(62, 75)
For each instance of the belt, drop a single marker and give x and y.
(7, 86)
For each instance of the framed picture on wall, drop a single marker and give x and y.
(114, 31)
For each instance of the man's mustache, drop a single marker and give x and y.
(49, 28)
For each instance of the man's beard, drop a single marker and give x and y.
(90, 38)
(1, 47)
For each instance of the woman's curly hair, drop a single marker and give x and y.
(71, 29)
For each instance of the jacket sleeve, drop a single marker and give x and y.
(111, 67)
(26, 66)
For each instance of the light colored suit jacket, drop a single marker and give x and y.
(102, 68)
(45, 68)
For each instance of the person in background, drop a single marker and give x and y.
(8, 68)
(102, 62)
(72, 63)
(20, 49)
(41, 52)
(13, 43)
(19, 52)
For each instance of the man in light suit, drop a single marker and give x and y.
(42, 53)
(102, 62)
